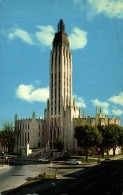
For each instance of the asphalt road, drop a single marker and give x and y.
(98, 180)
(16, 175)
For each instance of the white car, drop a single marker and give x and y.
(74, 162)
(44, 160)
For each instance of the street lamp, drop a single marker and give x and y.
(51, 165)
(98, 155)
(2, 158)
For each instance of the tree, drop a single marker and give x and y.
(104, 145)
(112, 136)
(7, 136)
(59, 144)
(120, 136)
(116, 136)
(87, 136)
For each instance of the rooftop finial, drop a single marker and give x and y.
(100, 110)
(84, 112)
(33, 114)
(16, 117)
(61, 26)
(96, 110)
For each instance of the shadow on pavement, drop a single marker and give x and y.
(97, 180)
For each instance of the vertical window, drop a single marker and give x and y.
(20, 139)
(51, 134)
(58, 131)
(25, 138)
(59, 60)
(28, 137)
(17, 140)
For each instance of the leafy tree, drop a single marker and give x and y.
(7, 136)
(87, 136)
(116, 136)
(120, 136)
(104, 145)
(112, 136)
(59, 144)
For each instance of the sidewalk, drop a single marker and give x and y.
(117, 157)
(4, 166)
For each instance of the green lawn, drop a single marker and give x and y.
(32, 183)
(90, 160)
(106, 156)
(83, 159)
(39, 178)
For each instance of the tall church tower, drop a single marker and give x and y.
(60, 95)
(60, 72)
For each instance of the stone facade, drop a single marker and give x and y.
(61, 115)
(28, 131)
(61, 108)
(99, 119)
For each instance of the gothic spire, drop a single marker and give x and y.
(33, 115)
(96, 110)
(84, 112)
(61, 26)
(100, 110)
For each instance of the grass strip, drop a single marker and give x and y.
(31, 184)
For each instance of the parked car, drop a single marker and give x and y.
(73, 162)
(8, 157)
(106, 161)
(44, 160)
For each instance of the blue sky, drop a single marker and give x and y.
(27, 28)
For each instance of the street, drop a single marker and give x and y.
(98, 180)
(106, 179)
(14, 176)
(74, 179)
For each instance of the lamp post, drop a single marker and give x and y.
(51, 164)
(56, 173)
(2, 159)
(98, 155)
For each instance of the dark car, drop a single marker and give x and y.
(106, 161)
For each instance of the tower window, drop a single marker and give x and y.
(28, 137)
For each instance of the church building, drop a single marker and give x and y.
(61, 115)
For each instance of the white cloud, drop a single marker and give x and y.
(117, 99)
(117, 112)
(77, 1)
(45, 35)
(78, 39)
(22, 34)
(104, 105)
(111, 8)
(80, 102)
(30, 94)
(37, 82)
